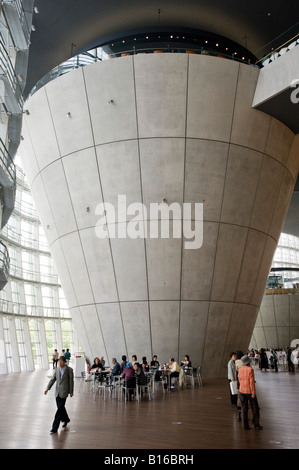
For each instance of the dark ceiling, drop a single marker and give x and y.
(66, 27)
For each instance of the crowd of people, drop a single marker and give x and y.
(270, 358)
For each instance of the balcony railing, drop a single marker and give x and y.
(13, 99)
(19, 24)
(4, 265)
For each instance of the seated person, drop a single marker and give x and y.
(97, 365)
(145, 365)
(174, 369)
(115, 370)
(140, 375)
(129, 378)
(102, 361)
(154, 363)
(134, 359)
(123, 363)
(186, 362)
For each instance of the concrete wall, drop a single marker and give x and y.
(154, 126)
(277, 323)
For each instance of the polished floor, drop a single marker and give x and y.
(192, 418)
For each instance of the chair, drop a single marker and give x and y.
(159, 379)
(198, 375)
(100, 385)
(189, 374)
(146, 388)
(115, 385)
(84, 380)
(130, 389)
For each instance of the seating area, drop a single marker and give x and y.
(104, 385)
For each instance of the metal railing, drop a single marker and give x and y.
(279, 51)
(4, 259)
(7, 164)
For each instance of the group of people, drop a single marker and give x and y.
(55, 356)
(269, 358)
(137, 370)
(242, 388)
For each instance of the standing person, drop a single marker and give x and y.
(264, 364)
(248, 394)
(274, 360)
(291, 367)
(64, 378)
(232, 376)
(67, 355)
(55, 358)
(238, 365)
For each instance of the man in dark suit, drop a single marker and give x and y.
(64, 378)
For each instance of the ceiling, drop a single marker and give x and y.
(65, 27)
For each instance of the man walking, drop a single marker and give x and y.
(64, 378)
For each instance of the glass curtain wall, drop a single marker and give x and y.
(34, 316)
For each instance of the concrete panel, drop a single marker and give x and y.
(112, 329)
(282, 309)
(250, 127)
(111, 99)
(211, 98)
(255, 245)
(205, 172)
(100, 267)
(120, 172)
(238, 199)
(197, 266)
(293, 160)
(271, 337)
(267, 312)
(91, 323)
(294, 309)
(267, 194)
(283, 337)
(193, 320)
(228, 262)
(44, 141)
(76, 263)
(79, 325)
(162, 168)
(31, 167)
(163, 268)
(44, 209)
(63, 214)
(64, 275)
(130, 268)
(215, 340)
(283, 202)
(136, 321)
(165, 329)
(279, 141)
(69, 110)
(161, 86)
(82, 179)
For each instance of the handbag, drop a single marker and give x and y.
(234, 387)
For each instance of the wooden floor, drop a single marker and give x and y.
(193, 418)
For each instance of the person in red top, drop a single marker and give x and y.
(248, 394)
